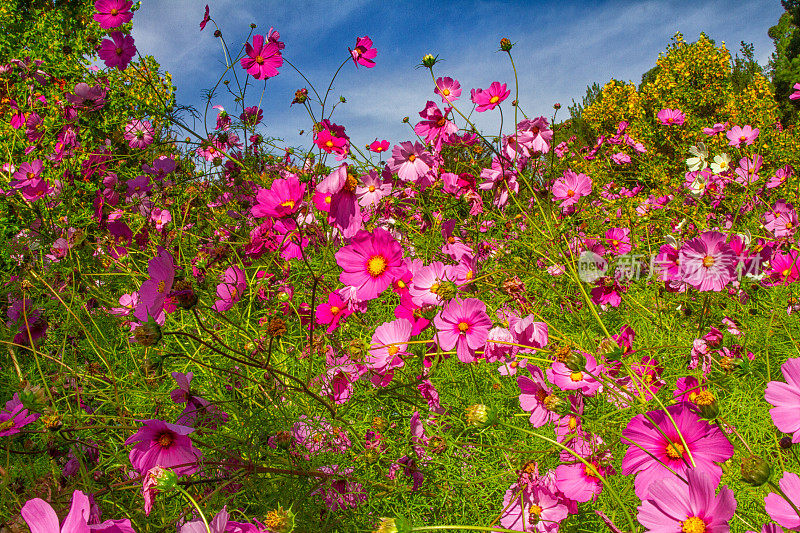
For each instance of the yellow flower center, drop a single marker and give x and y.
(446, 92)
(329, 144)
(376, 265)
(786, 272)
(335, 310)
(327, 199)
(463, 327)
(259, 60)
(708, 261)
(412, 157)
(591, 471)
(371, 188)
(570, 193)
(434, 288)
(288, 203)
(704, 398)
(576, 376)
(118, 51)
(573, 423)
(675, 450)
(401, 284)
(114, 12)
(535, 512)
(742, 138)
(393, 350)
(165, 439)
(494, 99)
(693, 525)
(161, 286)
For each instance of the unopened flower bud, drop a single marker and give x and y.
(393, 525)
(785, 443)
(252, 25)
(556, 106)
(148, 334)
(342, 99)
(575, 361)
(480, 415)
(300, 96)
(505, 45)
(276, 327)
(755, 471)
(183, 294)
(707, 404)
(428, 61)
(166, 480)
(405, 120)
(217, 33)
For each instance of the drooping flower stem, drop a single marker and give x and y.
(196, 506)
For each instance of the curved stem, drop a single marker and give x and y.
(196, 506)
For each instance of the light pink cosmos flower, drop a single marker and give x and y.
(435, 127)
(747, 171)
(118, 51)
(715, 129)
(779, 509)
(658, 445)
(389, 345)
(371, 262)
(618, 240)
(281, 199)
(160, 443)
(139, 133)
(785, 399)
(780, 177)
(488, 99)
(410, 161)
(428, 281)
(372, 189)
(230, 290)
(364, 53)
(463, 325)
(112, 13)
(672, 505)
(528, 332)
(571, 187)
(532, 508)
(535, 135)
(263, 57)
(783, 269)
(707, 262)
(671, 117)
(448, 88)
(41, 518)
(781, 220)
(737, 135)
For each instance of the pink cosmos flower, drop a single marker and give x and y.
(112, 13)
(488, 99)
(372, 189)
(785, 399)
(781, 219)
(139, 133)
(747, 171)
(426, 286)
(707, 262)
(779, 509)
(580, 482)
(14, 417)
(263, 57)
(716, 128)
(230, 290)
(281, 199)
(565, 379)
(378, 146)
(118, 51)
(532, 508)
(371, 262)
(327, 141)
(435, 127)
(783, 269)
(537, 397)
(618, 240)
(657, 448)
(389, 345)
(737, 136)
(154, 291)
(410, 161)
(571, 187)
(343, 208)
(463, 325)
(206, 18)
(41, 518)
(364, 53)
(163, 444)
(448, 88)
(673, 506)
(671, 117)
(332, 311)
(780, 177)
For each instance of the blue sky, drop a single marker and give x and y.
(561, 47)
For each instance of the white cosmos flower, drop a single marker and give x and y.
(722, 163)
(698, 162)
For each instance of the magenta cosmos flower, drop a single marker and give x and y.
(118, 51)
(532, 508)
(785, 399)
(139, 133)
(571, 187)
(671, 117)
(737, 136)
(488, 99)
(537, 397)
(657, 448)
(371, 262)
(163, 444)
(263, 57)
(463, 325)
(707, 262)
(672, 506)
(364, 53)
(14, 417)
(779, 509)
(112, 13)
(281, 199)
(154, 291)
(41, 518)
(448, 88)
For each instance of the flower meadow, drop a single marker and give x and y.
(571, 324)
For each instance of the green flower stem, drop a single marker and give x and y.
(196, 506)
(606, 485)
(783, 495)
